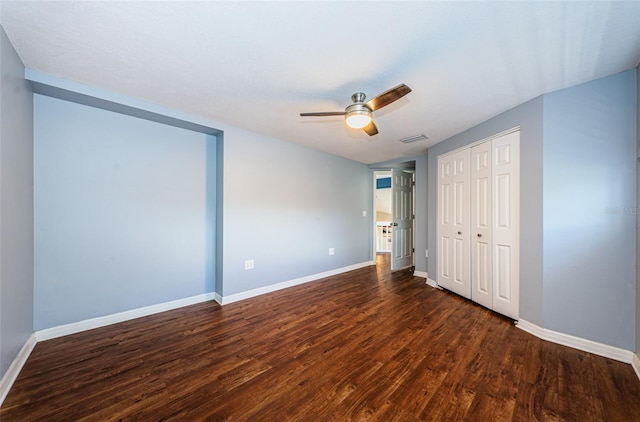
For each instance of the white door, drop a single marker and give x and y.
(481, 221)
(479, 208)
(505, 155)
(453, 223)
(402, 213)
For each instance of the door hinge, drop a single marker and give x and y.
(413, 216)
(413, 183)
(413, 249)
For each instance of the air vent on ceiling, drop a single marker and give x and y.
(414, 138)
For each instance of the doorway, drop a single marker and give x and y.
(394, 215)
(382, 212)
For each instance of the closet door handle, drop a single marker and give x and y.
(459, 232)
(479, 235)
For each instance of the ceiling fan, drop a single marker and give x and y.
(358, 114)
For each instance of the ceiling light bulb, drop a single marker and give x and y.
(358, 117)
(358, 121)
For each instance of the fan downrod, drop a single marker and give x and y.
(358, 97)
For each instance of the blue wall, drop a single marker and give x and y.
(420, 205)
(589, 210)
(284, 207)
(16, 206)
(125, 212)
(637, 349)
(280, 204)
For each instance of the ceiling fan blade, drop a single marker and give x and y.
(324, 113)
(371, 129)
(388, 97)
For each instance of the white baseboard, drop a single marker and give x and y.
(579, 343)
(433, 284)
(89, 324)
(16, 366)
(225, 300)
(635, 363)
(421, 274)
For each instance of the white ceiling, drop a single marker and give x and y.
(257, 65)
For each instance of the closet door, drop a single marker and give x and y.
(453, 223)
(505, 153)
(481, 225)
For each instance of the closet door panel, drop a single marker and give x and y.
(445, 247)
(453, 228)
(506, 223)
(481, 220)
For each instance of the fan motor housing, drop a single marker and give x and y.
(357, 109)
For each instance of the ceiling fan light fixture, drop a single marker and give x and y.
(357, 116)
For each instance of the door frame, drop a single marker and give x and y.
(374, 216)
(373, 207)
(374, 229)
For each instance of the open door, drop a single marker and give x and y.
(402, 213)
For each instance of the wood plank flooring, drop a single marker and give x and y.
(364, 345)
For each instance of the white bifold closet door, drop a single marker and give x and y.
(453, 223)
(493, 257)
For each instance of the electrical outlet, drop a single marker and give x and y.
(331, 251)
(364, 213)
(248, 264)
(426, 253)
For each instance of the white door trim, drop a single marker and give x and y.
(482, 141)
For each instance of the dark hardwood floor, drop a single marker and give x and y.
(365, 345)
